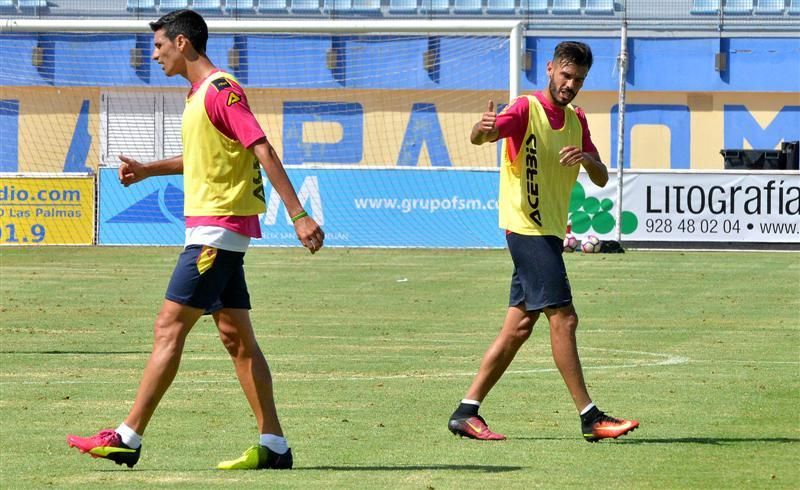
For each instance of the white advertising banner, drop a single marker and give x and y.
(759, 207)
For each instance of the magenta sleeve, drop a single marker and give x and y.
(512, 123)
(230, 113)
(588, 144)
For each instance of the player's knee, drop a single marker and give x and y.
(168, 334)
(566, 324)
(231, 341)
(524, 329)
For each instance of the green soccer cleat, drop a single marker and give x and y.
(259, 458)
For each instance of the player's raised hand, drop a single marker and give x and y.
(309, 233)
(130, 171)
(488, 119)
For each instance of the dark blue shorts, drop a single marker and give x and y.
(540, 277)
(209, 278)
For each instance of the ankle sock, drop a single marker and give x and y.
(129, 436)
(276, 444)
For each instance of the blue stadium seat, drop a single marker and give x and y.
(369, 7)
(141, 5)
(32, 6)
(434, 6)
(770, 7)
(170, 5)
(467, 7)
(304, 7)
(566, 6)
(738, 7)
(501, 7)
(7, 7)
(794, 7)
(338, 6)
(705, 7)
(533, 6)
(207, 6)
(599, 7)
(269, 6)
(403, 7)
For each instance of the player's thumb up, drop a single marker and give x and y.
(490, 107)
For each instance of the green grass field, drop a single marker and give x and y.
(372, 349)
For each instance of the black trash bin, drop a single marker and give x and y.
(754, 159)
(792, 151)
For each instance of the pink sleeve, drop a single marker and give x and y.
(588, 145)
(512, 123)
(227, 108)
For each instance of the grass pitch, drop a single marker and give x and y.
(372, 349)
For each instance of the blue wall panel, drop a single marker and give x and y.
(388, 63)
(15, 61)
(286, 61)
(474, 63)
(289, 61)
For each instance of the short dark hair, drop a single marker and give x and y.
(574, 52)
(186, 22)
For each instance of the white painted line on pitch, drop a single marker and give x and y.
(663, 360)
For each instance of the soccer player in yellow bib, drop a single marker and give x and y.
(545, 141)
(223, 145)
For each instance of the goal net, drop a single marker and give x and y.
(370, 118)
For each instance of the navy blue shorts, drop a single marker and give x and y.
(540, 277)
(209, 278)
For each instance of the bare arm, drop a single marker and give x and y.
(131, 171)
(595, 168)
(308, 231)
(484, 130)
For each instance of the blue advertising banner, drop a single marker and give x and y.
(356, 208)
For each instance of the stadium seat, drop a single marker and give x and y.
(337, 6)
(32, 6)
(403, 7)
(304, 7)
(170, 5)
(7, 7)
(467, 7)
(533, 6)
(738, 7)
(434, 6)
(207, 6)
(501, 7)
(770, 7)
(267, 6)
(369, 7)
(705, 7)
(141, 5)
(246, 6)
(599, 7)
(566, 6)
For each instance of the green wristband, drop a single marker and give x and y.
(301, 214)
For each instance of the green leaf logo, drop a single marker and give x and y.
(589, 213)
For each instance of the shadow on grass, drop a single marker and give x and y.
(714, 441)
(414, 467)
(74, 352)
(411, 467)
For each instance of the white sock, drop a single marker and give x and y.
(471, 402)
(276, 444)
(587, 408)
(129, 436)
